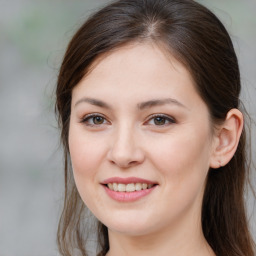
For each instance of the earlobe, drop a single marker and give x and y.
(227, 139)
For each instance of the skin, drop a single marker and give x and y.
(175, 153)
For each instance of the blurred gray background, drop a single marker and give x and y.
(33, 38)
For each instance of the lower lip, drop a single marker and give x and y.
(128, 196)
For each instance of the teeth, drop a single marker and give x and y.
(110, 186)
(138, 186)
(115, 186)
(144, 186)
(121, 187)
(129, 187)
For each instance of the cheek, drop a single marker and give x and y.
(84, 152)
(86, 157)
(183, 158)
(183, 166)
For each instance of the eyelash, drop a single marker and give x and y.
(85, 120)
(167, 118)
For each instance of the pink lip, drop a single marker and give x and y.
(128, 196)
(127, 180)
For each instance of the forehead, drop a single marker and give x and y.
(145, 56)
(138, 70)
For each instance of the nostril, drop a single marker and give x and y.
(123, 164)
(133, 163)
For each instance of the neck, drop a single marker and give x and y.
(187, 241)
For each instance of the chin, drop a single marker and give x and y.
(129, 230)
(130, 225)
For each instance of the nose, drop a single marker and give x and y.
(125, 150)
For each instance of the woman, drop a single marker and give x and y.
(148, 104)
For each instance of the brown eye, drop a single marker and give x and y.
(159, 120)
(98, 120)
(94, 120)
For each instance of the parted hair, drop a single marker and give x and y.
(195, 37)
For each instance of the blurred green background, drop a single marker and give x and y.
(33, 38)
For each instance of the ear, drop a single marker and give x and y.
(227, 138)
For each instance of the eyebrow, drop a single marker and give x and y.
(94, 102)
(141, 106)
(159, 102)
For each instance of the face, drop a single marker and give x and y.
(140, 141)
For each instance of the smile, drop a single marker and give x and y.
(131, 187)
(128, 189)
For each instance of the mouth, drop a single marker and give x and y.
(130, 187)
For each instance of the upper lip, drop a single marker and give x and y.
(127, 180)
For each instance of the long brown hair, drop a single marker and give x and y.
(194, 35)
